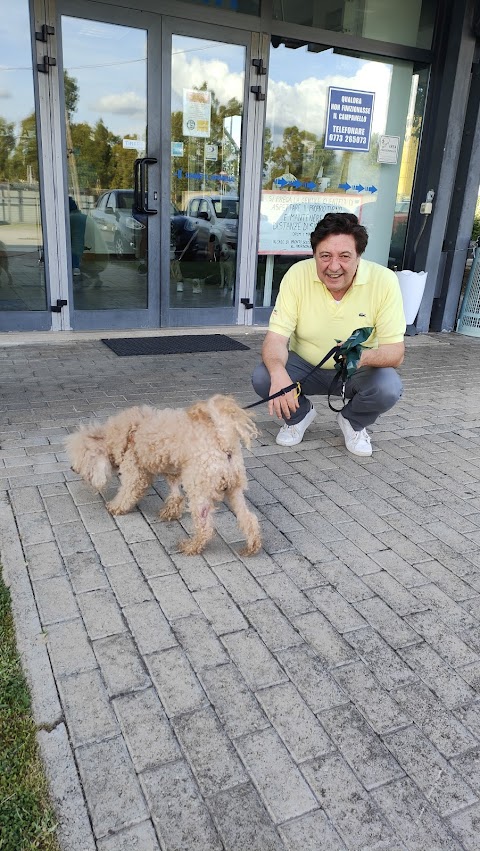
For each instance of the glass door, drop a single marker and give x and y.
(206, 94)
(104, 105)
(24, 300)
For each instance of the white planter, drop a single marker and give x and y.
(412, 286)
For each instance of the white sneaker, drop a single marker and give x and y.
(76, 272)
(197, 287)
(357, 442)
(290, 435)
(180, 287)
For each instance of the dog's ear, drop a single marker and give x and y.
(227, 415)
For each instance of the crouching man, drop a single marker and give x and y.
(321, 301)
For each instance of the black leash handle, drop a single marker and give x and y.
(297, 385)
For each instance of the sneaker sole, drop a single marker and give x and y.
(280, 443)
(352, 451)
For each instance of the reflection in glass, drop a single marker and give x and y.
(105, 118)
(245, 7)
(207, 109)
(304, 179)
(408, 23)
(22, 278)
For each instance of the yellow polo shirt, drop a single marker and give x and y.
(306, 312)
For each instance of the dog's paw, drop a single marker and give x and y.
(171, 511)
(115, 508)
(251, 547)
(190, 547)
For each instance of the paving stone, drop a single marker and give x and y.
(302, 573)
(395, 595)
(447, 610)
(274, 629)
(346, 803)
(234, 703)
(255, 662)
(195, 572)
(120, 664)
(468, 765)
(278, 781)
(72, 538)
(181, 819)
(384, 663)
(73, 830)
(466, 827)
(344, 581)
(412, 817)
(323, 637)
(200, 642)
(361, 748)
(69, 648)
(400, 569)
(239, 583)
(297, 726)
(83, 493)
(313, 681)
(439, 782)
(96, 518)
(149, 626)
(447, 644)
(134, 528)
(85, 571)
(34, 528)
(111, 548)
(220, 610)
(310, 833)
(446, 732)
(152, 558)
(147, 731)
(285, 594)
(128, 584)
(437, 675)
(354, 557)
(141, 837)
(111, 787)
(96, 724)
(176, 684)
(336, 609)
(44, 560)
(55, 599)
(101, 613)
(26, 501)
(210, 753)
(61, 509)
(387, 623)
(446, 580)
(370, 698)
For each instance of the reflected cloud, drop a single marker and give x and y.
(185, 69)
(4, 93)
(126, 103)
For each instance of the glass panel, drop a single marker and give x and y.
(22, 277)
(407, 168)
(207, 109)
(335, 125)
(246, 7)
(409, 22)
(106, 119)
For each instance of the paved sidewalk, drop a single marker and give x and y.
(322, 695)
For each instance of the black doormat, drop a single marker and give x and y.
(126, 346)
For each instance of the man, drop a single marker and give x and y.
(321, 301)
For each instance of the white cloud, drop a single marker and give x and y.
(127, 103)
(4, 93)
(224, 83)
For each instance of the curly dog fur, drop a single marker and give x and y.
(198, 450)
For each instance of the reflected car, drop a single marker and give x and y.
(220, 214)
(125, 228)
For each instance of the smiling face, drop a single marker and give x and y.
(337, 260)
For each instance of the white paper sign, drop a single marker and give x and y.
(288, 218)
(211, 152)
(197, 107)
(133, 144)
(388, 149)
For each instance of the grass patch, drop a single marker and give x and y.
(27, 821)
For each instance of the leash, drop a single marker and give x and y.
(340, 375)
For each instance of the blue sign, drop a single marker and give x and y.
(349, 120)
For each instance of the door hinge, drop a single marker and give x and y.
(56, 308)
(44, 65)
(257, 91)
(44, 33)
(258, 64)
(247, 303)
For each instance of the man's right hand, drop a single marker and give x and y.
(285, 405)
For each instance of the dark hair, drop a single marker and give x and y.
(335, 223)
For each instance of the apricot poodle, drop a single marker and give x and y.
(198, 450)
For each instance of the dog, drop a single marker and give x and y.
(196, 449)
(227, 268)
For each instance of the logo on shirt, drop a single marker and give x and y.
(362, 314)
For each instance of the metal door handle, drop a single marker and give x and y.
(139, 181)
(144, 161)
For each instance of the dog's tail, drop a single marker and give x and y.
(87, 452)
(230, 420)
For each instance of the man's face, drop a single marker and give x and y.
(336, 259)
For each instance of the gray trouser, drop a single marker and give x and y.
(371, 390)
